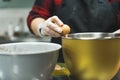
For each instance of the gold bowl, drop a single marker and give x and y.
(92, 56)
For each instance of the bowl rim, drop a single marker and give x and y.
(92, 36)
(7, 53)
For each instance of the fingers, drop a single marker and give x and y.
(54, 34)
(54, 27)
(54, 30)
(50, 32)
(57, 21)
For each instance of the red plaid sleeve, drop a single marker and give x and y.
(42, 8)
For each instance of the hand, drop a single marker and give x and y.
(51, 27)
(117, 31)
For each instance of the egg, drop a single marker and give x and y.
(65, 29)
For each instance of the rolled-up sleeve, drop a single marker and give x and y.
(41, 8)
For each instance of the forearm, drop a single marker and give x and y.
(34, 25)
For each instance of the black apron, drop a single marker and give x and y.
(87, 16)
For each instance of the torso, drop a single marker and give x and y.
(88, 15)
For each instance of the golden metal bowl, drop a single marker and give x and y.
(92, 56)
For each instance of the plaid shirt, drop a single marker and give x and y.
(42, 9)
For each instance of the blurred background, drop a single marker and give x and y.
(13, 26)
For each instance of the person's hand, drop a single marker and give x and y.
(117, 31)
(51, 27)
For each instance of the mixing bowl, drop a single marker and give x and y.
(92, 56)
(27, 60)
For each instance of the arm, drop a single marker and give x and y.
(40, 17)
(51, 26)
(39, 11)
(34, 25)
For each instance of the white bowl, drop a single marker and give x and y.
(27, 60)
